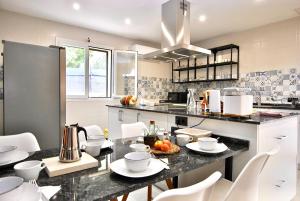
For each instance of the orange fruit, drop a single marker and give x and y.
(167, 142)
(158, 144)
(165, 147)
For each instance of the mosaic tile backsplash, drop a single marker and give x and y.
(269, 86)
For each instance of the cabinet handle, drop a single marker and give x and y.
(282, 137)
(281, 183)
(138, 117)
(120, 118)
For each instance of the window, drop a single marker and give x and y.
(75, 71)
(88, 70)
(98, 74)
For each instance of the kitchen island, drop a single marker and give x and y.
(264, 133)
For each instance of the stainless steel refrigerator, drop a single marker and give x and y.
(34, 91)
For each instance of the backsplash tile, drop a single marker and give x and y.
(269, 86)
(154, 88)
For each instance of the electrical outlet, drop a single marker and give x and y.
(182, 121)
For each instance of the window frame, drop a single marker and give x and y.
(87, 46)
(109, 67)
(114, 88)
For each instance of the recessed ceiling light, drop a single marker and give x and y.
(127, 21)
(76, 6)
(259, 1)
(202, 18)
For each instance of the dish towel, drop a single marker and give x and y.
(49, 191)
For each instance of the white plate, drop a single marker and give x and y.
(4, 149)
(30, 193)
(106, 144)
(195, 147)
(13, 157)
(25, 192)
(9, 183)
(119, 167)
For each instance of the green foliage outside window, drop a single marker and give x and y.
(75, 57)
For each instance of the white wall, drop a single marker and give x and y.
(26, 29)
(275, 46)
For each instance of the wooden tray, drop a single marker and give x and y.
(194, 132)
(174, 149)
(55, 168)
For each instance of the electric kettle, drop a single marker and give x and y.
(70, 150)
(213, 100)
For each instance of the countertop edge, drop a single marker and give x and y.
(213, 117)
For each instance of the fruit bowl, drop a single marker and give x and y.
(128, 100)
(164, 147)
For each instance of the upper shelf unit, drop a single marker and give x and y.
(221, 65)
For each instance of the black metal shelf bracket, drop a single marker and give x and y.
(209, 65)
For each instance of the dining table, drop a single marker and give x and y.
(101, 183)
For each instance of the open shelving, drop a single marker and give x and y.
(230, 65)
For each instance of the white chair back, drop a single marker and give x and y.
(24, 141)
(197, 192)
(133, 130)
(92, 131)
(246, 185)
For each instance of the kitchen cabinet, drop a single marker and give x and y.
(160, 119)
(278, 179)
(118, 116)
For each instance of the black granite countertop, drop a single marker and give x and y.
(278, 106)
(101, 184)
(252, 119)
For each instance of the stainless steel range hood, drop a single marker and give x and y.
(175, 34)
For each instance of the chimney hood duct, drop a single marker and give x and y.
(175, 34)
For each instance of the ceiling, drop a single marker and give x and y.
(223, 16)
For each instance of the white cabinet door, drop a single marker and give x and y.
(117, 117)
(278, 179)
(129, 116)
(114, 122)
(160, 119)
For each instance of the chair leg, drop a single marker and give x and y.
(149, 197)
(125, 196)
(115, 199)
(169, 183)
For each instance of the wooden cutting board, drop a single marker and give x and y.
(55, 168)
(174, 149)
(194, 132)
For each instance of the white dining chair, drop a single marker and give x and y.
(133, 130)
(246, 185)
(91, 130)
(24, 141)
(198, 192)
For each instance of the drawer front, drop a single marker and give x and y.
(278, 179)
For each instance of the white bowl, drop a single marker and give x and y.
(29, 170)
(207, 143)
(182, 139)
(140, 147)
(137, 161)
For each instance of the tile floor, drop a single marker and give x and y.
(141, 195)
